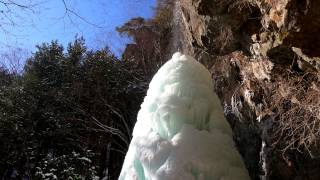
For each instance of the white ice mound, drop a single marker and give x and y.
(181, 132)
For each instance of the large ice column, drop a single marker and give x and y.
(181, 132)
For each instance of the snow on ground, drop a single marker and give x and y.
(181, 132)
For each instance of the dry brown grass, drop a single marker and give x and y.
(240, 5)
(298, 104)
(271, 3)
(225, 38)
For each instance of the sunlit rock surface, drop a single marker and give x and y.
(181, 132)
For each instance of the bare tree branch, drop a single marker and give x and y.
(112, 130)
(16, 13)
(69, 11)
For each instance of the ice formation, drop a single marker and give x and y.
(181, 132)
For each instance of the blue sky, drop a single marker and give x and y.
(48, 22)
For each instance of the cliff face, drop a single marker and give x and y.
(264, 59)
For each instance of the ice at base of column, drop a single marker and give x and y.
(181, 132)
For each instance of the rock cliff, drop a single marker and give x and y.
(264, 59)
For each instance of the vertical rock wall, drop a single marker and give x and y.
(264, 58)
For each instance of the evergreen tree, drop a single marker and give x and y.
(69, 115)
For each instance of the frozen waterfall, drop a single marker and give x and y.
(181, 132)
